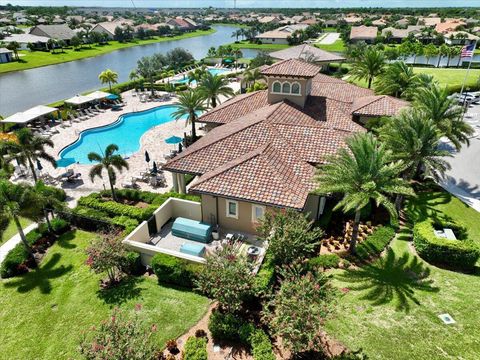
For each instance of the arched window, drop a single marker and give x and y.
(276, 87)
(286, 88)
(296, 88)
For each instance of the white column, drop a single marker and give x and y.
(182, 189)
(175, 181)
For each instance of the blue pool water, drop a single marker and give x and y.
(212, 71)
(125, 132)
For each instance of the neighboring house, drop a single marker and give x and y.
(263, 148)
(331, 23)
(449, 26)
(309, 22)
(280, 35)
(353, 20)
(397, 35)
(107, 27)
(58, 32)
(367, 34)
(308, 53)
(460, 38)
(181, 24)
(429, 21)
(40, 42)
(402, 22)
(379, 22)
(5, 55)
(5, 21)
(269, 20)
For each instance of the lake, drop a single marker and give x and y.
(21, 90)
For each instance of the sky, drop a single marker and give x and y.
(248, 3)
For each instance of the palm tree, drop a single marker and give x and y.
(14, 46)
(415, 140)
(435, 104)
(252, 76)
(19, 200)
(213, 86)
(430, 50)
(29, 148)
(443, 50)
(197, 74)
(237, 33)
(108, 77)
(109, 161)
(133, 76)
(362, 172)
(397, 79)
(369, 65)
(190, 103)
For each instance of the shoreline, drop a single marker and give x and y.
(120, 47)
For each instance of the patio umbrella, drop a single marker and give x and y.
(112, 97)
(39, 165)
(154, 170)
(173, 140)
(147, 156)
(64, 162)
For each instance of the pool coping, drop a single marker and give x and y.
(110, 124)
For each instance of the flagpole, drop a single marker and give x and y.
(467, 73)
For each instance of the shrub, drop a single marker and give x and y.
(195, 349)
(59, 225)
(225, 326)
(261, 346)
(172, 270)
(11, 265)
(461, 254)
(113, 208)
(265, 276)
(375, 242)
(33, 236)
(132, 264)
(324, 261)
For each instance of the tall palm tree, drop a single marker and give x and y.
(19, 200)
(435, 104)
(190, 103)
(252, 76)
(213, 86)
(415, 140)
(29, 148)
(197, 74)
(362, 172)
(109, 161)
(108, 77)
(397, 80)
(369, 65)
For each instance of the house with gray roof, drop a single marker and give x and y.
(57, 32)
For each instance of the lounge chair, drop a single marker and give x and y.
(85, 113)
(19, 172)
(90, 112)
(129, 184)
(51, 130)
(99, 109)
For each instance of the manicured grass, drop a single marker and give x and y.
(11, 230)
(44, 312)
(337, 46)
(34, 59)
(391, 308)
(267, 47)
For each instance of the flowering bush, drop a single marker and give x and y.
(120, 338)
(297, 311)
(227, 277)
(8, 137)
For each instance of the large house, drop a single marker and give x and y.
(57, 32)
(262, 148)
(5, 55)
(308, 53)
(363, 33)
(280, 35)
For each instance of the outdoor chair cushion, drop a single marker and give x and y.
(192, 230)
(192, 249)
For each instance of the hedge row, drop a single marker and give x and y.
(148, 197)
(17, 260)
(175, 271)
(375, 242)
(195, 349)
(261, 345)
(265, 276)
(461, 254)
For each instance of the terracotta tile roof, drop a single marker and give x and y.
(363, 32)
(306, 51)
(292, 67)
(381, 105)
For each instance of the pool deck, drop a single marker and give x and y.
(152, 141)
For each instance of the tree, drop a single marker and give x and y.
(418, 50)
(362, 172)
(213, 86)
(61, 44)
(109, 161)
(435, 104)
(290, 235)
(19, 200)
(120, 337)
(14, 46)
(227, 278)
(29, 148)
(148, 67)
(369, 65)
(108, 77)
(52, 45)
(197, 74)
(297, 312)
(262, 58)
(237, 33)
(251, 76)
(118, 34)
(443, 50)
(190, 103)
(430, 50)
(178, 57)
(76, 42)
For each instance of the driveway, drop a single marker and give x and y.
(463, 179)
(329, 39)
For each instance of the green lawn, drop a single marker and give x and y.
(267, 47)
(337, 46)
(391, 308)
(44, 312)
(34, 59)
(11, 230)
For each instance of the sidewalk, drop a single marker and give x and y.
(12, 242)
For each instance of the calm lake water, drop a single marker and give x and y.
(23, 89)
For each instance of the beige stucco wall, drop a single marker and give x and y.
(173, 208)
(244, 222)
(282, 41)
(140, 234)
(305, 87)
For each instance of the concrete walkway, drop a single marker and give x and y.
(12, 242)
(329, 39)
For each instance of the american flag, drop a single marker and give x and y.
(467, 51)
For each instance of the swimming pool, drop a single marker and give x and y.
(212, 71)
(125, 132)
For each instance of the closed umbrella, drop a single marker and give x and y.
(39, 165)
(147, 156)
(155, 169)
